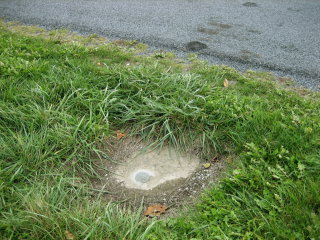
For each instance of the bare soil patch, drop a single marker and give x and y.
(167, 176)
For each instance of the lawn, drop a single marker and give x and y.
(61, 97)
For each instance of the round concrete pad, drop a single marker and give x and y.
(146, 170)
(142, 176)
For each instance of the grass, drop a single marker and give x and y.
(59, 99)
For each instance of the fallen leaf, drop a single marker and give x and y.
(120, 134)
(155, 210)
(69, 235)
(226, 83)
(206, 165)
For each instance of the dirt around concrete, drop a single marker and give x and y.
(167, 176)
(146, 169)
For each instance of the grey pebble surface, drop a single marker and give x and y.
(278, 36)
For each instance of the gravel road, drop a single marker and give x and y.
(273, 35)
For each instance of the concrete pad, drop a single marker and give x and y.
(147, 169)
